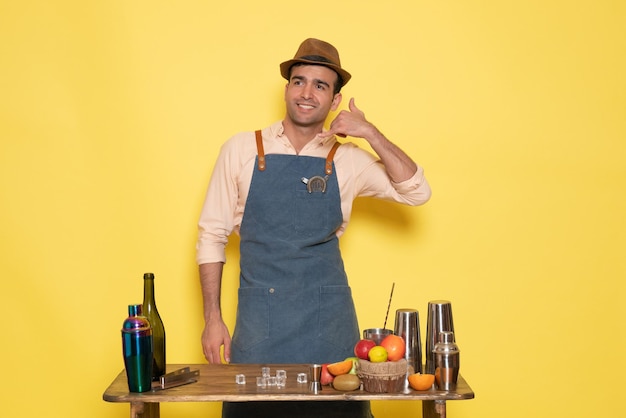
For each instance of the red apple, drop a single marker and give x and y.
(362, 348)
(326, 378)
(394, 344)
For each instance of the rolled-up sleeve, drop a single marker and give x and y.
(370, 179)
(416, 190)
(218, 212)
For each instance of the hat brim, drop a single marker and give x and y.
(285, 67)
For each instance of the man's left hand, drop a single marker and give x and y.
(350, 122)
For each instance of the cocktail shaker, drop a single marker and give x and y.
(439, 319)
(137, 349)
(447, 361)
(407, 326)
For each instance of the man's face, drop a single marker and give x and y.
(309, 94)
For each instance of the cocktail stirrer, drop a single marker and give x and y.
(389, 305)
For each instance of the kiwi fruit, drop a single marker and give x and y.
(346, 382)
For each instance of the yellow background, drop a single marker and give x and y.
(111, 116)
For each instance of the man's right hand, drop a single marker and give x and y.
(214, 335)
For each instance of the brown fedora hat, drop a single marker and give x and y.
(315, 52)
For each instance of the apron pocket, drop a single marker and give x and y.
(338, 323)
(252, 326)
(311, 214)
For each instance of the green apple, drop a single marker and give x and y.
(355, 361)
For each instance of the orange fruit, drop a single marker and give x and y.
(341, 367)
(420, 381)
(394, 344)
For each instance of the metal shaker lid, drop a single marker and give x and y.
(136, 323)
(446, 343)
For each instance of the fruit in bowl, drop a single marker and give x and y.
(377, 354)
(394, 344)
(363, 347)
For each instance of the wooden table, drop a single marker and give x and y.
(216, 383)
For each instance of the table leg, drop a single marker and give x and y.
(434, 409)
(145, 410)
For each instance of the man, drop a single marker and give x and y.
(288, 191)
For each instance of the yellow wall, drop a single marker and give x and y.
(112, 113)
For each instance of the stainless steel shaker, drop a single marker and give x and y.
(439, 319)
(407, 326)
(137, 349)
(447, 361)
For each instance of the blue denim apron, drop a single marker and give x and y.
(295, 305)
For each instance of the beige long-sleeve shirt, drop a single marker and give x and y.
(359, 173)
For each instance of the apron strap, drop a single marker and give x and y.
(260, 151)
(261, 154)
(329, 158)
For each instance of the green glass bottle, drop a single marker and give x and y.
(158, 330)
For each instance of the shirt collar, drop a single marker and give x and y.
(278, 131)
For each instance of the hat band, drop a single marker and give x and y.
(317, 58)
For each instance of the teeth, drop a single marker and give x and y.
(306, 106)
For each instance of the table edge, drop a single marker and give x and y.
(358, 395)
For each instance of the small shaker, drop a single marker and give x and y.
(138, 350)
(315, 371)
(447, 361)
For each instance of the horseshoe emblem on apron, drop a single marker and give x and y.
(315, 184)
